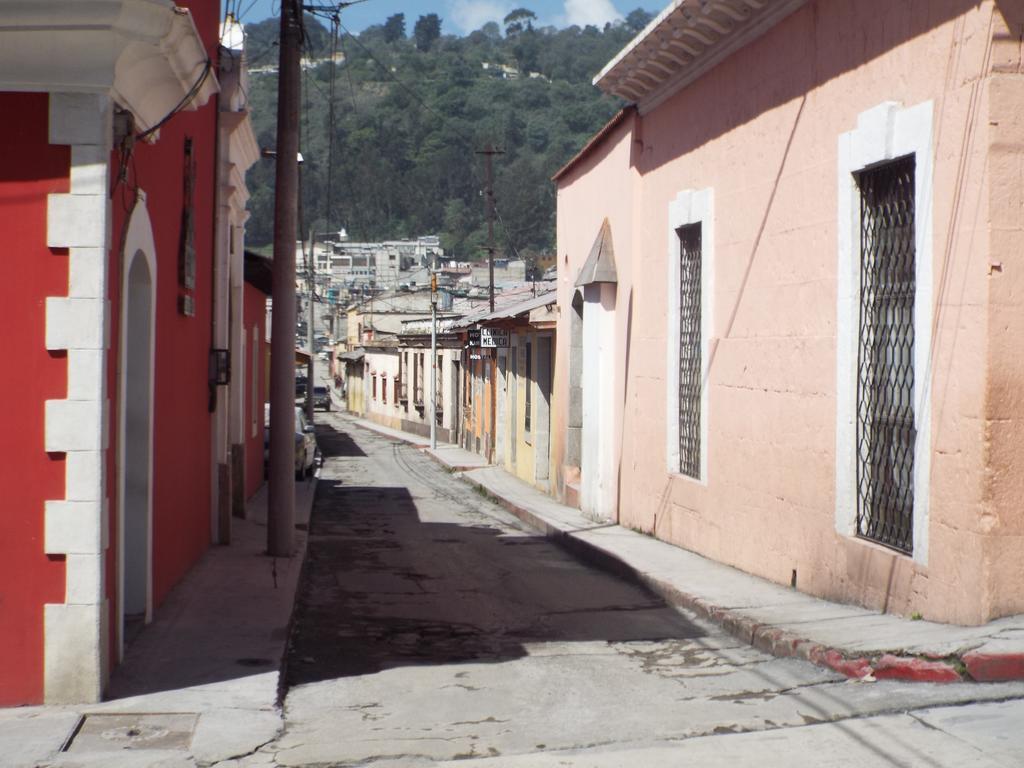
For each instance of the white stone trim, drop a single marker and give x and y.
(75, 639)
(77, 426)
(883, 133)
(147, 54)
(74, 527)
(75, 323)
(87, 272)
(139, 243)
(689, 207)
(599, 480)
(90, 369)
(80, 120)
(76, 220)
(84, 476)
(83, 588)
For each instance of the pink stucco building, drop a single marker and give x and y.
(791, 332)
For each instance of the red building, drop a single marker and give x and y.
(257, 291)
(122, 207)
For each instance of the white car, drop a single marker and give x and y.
(306, 450)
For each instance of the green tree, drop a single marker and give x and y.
(426, 31)
(518, 21)
(409, 121)
(394, 28)
(638, 19)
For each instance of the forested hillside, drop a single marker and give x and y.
(411, 113)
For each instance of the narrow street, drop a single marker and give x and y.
(432, 627)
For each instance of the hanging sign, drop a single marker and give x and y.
(493, 337)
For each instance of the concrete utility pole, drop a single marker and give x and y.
(489, 152)
(281, 498)
(433, 356)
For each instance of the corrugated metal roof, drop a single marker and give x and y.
(513, 310)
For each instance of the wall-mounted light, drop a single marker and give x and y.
(220, 367)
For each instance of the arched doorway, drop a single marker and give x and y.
(135, 497)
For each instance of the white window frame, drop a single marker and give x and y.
(255, 374)
(884, 133)
(691, 206)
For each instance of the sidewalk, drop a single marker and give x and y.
(200, 683)
(784, 622)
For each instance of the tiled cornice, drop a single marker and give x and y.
(683, 42)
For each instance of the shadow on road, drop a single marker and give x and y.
(335, 443)
(398, 578)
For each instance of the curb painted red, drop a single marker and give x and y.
(782, 643)
(915, 670)
(994, 667)
(776, 641)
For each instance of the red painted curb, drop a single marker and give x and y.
(914, 669)
(833, 659)
(994, 667)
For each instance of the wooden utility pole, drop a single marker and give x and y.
(281, 498)
(489, 152)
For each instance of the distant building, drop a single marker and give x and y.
(505, 271)
(353, 266)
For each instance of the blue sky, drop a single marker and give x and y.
(462, 16)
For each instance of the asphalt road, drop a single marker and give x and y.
(432, 627)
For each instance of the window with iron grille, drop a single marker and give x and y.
(400, 382)
(689, 349)
(885, 359)
(438, 389)
(528, 407)
(417, 376)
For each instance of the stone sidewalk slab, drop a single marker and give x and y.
(454, 458)
(214, 650)
(854, 641)
(394, 434)
(982, 736)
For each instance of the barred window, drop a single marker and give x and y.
(689, 349)
(885, 426)
(528, 408)
(400, 380)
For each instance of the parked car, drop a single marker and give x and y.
(306, 449)
(321, 398)
(300, 390)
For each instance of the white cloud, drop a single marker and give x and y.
(470, 15)
(595, 12)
